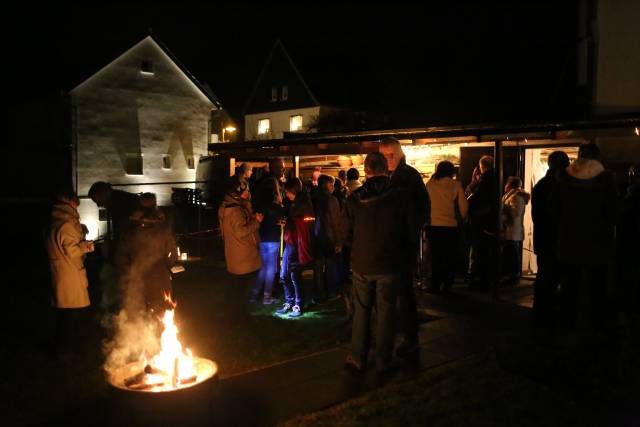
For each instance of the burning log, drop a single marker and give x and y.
(136, 381)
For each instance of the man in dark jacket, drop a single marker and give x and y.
(407, 178)
(379, 224)
(483, 212)
(544, 242)
(584, 209)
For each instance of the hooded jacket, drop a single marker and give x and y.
(300, 226)
(380, 225)
(240, 234)
(66, 250)
(584, 208)
(513, 206)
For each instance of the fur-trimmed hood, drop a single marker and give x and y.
(585, 169)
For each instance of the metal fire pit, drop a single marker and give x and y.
(187, 405)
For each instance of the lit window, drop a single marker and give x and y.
(166, 162)
(146, 67)
(133, 164)
(274, 94)
(285, 93)
(295, 123)
(191, 162)
(264, 126)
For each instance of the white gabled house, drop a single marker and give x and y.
(141, 119)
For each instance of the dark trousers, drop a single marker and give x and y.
(488, 252)
(584, 302)
(407, 308)
(370, 289)
(327, 276)
(72, 329)
(511, 262)
(444, 244)
(545, 290)
(291, 275)
(267, 274)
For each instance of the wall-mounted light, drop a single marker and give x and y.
(227, 129)
(637, 132)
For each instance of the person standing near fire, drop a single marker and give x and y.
(66, 249)
(409, 179)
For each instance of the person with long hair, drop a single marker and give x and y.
(448, 207)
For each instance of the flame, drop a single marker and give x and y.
(173, 364)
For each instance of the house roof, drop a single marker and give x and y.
(204, 88)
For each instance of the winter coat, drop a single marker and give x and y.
(380, 227)
(263, 201)
(584, 209)
(444, 194)
(513, 205)
(144, 258)
(66, 250)
(483, 209)
(240, 234)
(353, 185)
(410, 180)
(328, 223)
(544, 229)
(300, 226)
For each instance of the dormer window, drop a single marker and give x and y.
(285, 93)
(146, 67)
(274, 94)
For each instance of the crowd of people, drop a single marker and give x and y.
(361, 239)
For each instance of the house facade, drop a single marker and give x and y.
(141, 123)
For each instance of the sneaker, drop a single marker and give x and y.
(295, 311)
(286, 307)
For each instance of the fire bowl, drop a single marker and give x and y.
(185, 405)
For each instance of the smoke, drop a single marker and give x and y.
(135, 338)
(134, 332)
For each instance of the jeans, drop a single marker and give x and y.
(370, 289)
(267, 273)
(291, 275)
(511, 262)
(328, 276)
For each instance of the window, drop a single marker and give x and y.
(146, 67)
(295, 123)
(191, 162)
(133, 164)
(166, 162)
(274, 94)
(264, 126)
(285, 93)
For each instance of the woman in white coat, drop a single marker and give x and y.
(514, 201)
(66, 249)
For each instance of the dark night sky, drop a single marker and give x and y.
(463, 59)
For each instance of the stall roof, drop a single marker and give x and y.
(293, 142)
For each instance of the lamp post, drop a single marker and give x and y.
(227, 129)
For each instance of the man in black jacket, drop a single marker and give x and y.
(584, 205)
(544, 242)
(379, 223)
(407, 178)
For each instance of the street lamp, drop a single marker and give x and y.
(227, 129)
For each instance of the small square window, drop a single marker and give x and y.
(191, 162)
(134, 164)
(274, 94)
(146, 67)
(264, 126)
(166, 162)
(285, 93)
(295, 123)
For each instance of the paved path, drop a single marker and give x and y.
(466, 323)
